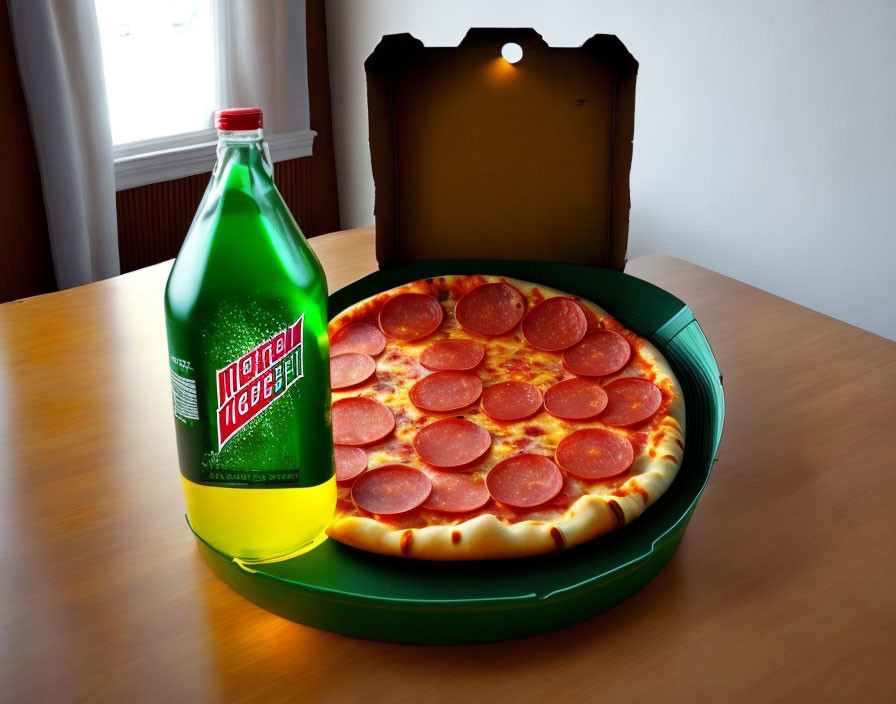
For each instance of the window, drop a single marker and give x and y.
(163, 62)
(159, 63)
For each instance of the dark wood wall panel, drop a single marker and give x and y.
(153, 219)
(293, 179)
(321, 179)
(26, 264)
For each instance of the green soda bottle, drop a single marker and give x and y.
(246, 313)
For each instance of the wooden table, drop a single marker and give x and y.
(784, 585)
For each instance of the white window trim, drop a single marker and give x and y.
(166, 158)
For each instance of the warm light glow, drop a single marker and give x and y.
(512, 52)
(499, 71)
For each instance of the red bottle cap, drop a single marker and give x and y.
(239, 119)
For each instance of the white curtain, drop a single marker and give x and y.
(265, 61)
(60, 62)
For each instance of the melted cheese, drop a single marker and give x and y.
(508, 357)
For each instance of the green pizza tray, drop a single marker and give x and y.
(341, 589)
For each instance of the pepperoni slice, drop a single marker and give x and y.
(631, 400)
(358, 337)
(456, 492)
(391, 489)
(524, 481)
(590, 318)
(595, 453)
(360, 421)
(511, 400)
(490, 309)
(452, 442)
(443, 392)
(598, 354)
(575, 399)
(410, 316)
(350, 369)
(350, 462)
(453, 355)
(555, 324)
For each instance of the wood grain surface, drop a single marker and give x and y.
(782, 588)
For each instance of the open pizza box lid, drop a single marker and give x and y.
(477, 158)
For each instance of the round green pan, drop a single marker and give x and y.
(348, 591)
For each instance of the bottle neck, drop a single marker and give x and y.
(246, 148)
(240, 137)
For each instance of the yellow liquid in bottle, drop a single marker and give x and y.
(260, 524)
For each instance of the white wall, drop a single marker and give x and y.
(764, 135)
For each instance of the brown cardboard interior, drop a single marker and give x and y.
(477, 158)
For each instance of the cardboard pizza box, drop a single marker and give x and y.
(486, 168)
(477, 158)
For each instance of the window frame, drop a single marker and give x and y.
(175, 156)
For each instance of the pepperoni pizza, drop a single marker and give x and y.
(481, 417)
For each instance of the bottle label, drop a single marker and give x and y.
(184, 392)
(249, 385)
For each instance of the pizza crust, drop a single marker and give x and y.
(488, 537)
